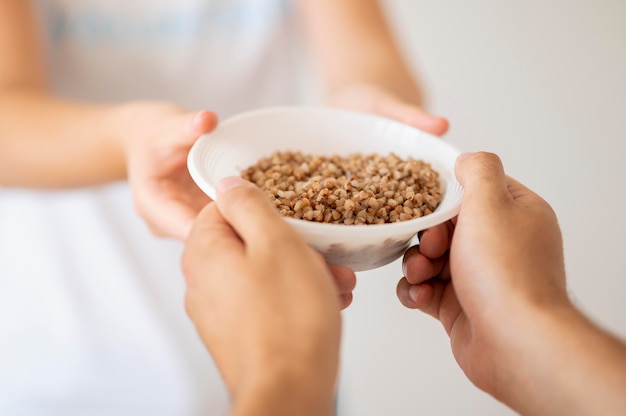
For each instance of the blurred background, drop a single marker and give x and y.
(543, 84)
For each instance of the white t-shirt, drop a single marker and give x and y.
(92, 320)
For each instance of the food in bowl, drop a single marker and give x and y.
(353, 190)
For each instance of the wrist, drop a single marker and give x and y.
(559, 362)
(524, 345)
(288, 390)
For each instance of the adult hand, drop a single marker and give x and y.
(263, 302)
(485, 274)
(377, 100)
(164, 194)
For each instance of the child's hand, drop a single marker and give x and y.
(164, 194)
(372, 99)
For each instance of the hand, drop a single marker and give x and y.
(487, 273)
(164, 194)
(264, 302)
(372, 99)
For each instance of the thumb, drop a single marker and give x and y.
(210, 239)
(251, 214)
(482, 173)
(195, 124)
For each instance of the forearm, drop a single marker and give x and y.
(49, 143)
(567, 365)
(46, 142)
(352, 44)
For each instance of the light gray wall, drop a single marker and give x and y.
(543, 84)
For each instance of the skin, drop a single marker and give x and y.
(360, 64)
(264, 304)
(146, 142)
(503, 257)
(494, 277)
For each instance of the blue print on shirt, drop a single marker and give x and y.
(91, 27)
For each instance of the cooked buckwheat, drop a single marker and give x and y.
(358, 189)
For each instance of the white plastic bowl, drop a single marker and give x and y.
(242, 140)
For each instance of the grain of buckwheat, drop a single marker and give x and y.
(358, 189)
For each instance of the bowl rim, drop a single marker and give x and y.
(437, 217)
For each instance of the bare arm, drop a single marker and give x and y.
(47, 142)
(44, 141)
(360, 64)
(567, 365)
(353, 44)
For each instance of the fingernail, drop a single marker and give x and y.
(197, 119)
(229, 183)
(201, 116)
(463, 156)
(414, 292)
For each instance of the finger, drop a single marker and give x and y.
(210, 238)
(422, 120)
(445, 273)
(425, 296)
(194, 125)
(482, 174)
(345, 300)
(435, 241)
(345, 278)
(177, 223)
(414, 116)
(237, 199)
(201, 122)
(418, 268)
(170, 208)
(173, 153)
